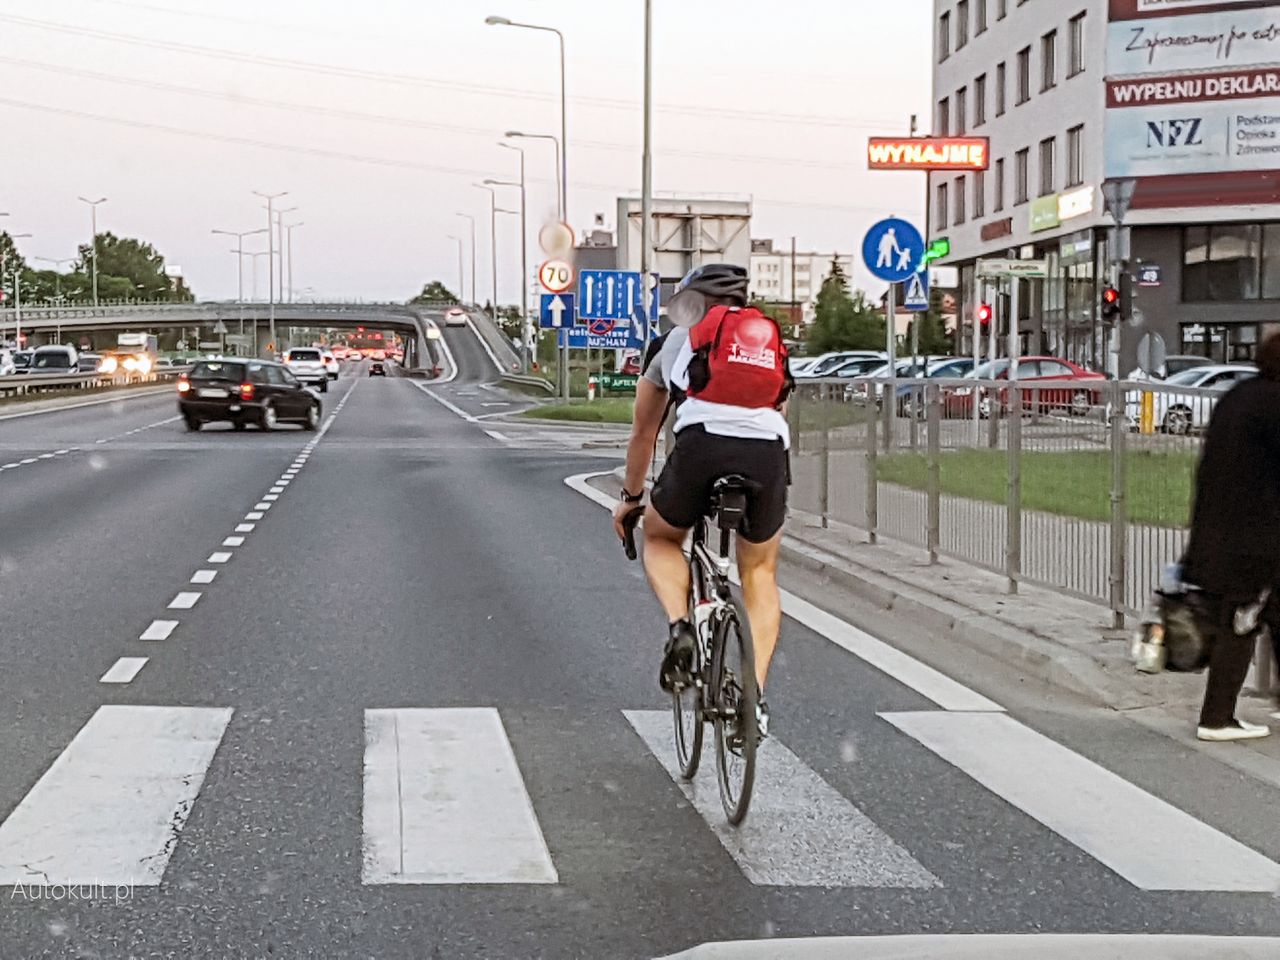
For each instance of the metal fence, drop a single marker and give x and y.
(1080, 485)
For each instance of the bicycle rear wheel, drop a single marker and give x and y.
(734, 697)
(687, 701)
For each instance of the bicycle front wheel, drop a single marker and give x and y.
(687, 701)
(735, 697)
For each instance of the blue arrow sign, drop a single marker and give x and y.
(915, 291)
(612, 295)
(556, 311)
(892, 250)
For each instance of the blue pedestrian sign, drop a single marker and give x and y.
(613, 295)
(892, 250)
(915, 292)
(556, 311)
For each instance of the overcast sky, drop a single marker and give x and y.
(771, 99)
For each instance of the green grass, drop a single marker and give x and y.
(1073, 484)
(604, 410)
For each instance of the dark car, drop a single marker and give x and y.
(261, 392)
(377, 368)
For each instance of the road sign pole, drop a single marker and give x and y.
(891, 343)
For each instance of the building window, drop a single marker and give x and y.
(960, 214)
(1002, 9)
(1024, 75)
(944, 117)
(940, 208)
(1000, 88)
(999, 200)
(980, 13)
(980, 195)
(944, 37)
(1047, 150)
(962, 23)
(980, 101)
(962, 97)
(1271, 261)
(1223, 261)
(1075, 156)
(1075, 45)
(1020, 161)
(1049, 61)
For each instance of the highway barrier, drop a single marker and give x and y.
(29, 384)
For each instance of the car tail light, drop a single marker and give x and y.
(184, 385)
(246, 391)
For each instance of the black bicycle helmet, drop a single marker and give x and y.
(721, 281)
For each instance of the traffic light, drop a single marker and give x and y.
(983, 315)
(1110, 304)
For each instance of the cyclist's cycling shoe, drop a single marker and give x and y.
(762, 729)
(677, 658)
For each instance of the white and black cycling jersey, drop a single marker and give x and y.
(667, 367)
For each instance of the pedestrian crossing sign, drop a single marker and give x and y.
(915, 294)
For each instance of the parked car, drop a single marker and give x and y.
(1067, 387)
(827, 364)
(330, 363)
(378, 368)
(53, 360)
(241, 392)
(942, 368)
(1183, 413)
(307, 364)
(455, 317)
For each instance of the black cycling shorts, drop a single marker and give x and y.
(682, 495)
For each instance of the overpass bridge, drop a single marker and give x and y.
(418, 323)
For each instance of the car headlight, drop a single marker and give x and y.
(143, 365)
(109, 365)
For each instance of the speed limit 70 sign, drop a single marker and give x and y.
(556, 276)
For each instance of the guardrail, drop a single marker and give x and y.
(496, 341)
(27, 383)
(1080, 485)
(524, 381)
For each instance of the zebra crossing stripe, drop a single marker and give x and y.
(1090, 806)
(444, 801)
(800, 832)
(110, 807)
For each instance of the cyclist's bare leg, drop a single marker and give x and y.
(758, 567)
(665, 564)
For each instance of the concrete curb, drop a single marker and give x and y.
(1039, 658)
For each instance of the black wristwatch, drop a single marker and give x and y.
(631, 497)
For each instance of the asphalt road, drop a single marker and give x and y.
(409, 709)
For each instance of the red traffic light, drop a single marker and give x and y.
(1110, 296)
(360, 329)
(983, 313)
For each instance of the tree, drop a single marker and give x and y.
(933, 327)
(131, 269)
(842, 321)
(12, 262)
(435, 292)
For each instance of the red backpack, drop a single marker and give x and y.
(739, 359)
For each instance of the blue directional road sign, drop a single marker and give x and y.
(556, 311)
(915, 292)
(612, 295)
(892, 250)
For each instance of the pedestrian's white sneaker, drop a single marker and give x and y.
(1237, 730)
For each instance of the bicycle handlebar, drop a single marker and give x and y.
(629, 525)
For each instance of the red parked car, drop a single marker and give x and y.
(1067, 387)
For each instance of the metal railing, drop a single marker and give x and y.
(1080, 485)
(31, 383)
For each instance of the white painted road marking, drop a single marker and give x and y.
(124, 670)
(496, 436)
(801, 831)
(159, 630)
(204, 576)
(111, 806)
(271, 498)
(262, 506)
(233, 542)
(244, 528)
(276, 489)
(254, 515)
(444, 801)
(1150, 843)
(219, 556)
(184, 601)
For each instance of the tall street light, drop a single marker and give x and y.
(239, 252)
(493, 242)
(288, 232)
(281, 250)
(17, 289)
(524, 253)
(646, 170)
(564, 116)
(93, 240)
(461, 276)
(271, 198)
(472, 221)
(555, 140)
(57, 277)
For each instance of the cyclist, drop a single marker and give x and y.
(713, 439)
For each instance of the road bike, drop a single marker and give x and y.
(722, 689)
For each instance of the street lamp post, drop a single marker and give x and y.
(93, 240)
(524, 255)
(555, 140)
(271, 198)
(493, 242)
(17, 290)
(646, 170)
(564, 116)
(239, 252)
(472, 221)
(288, 231)
(461, 275)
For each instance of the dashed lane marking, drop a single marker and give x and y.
(159, 630)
